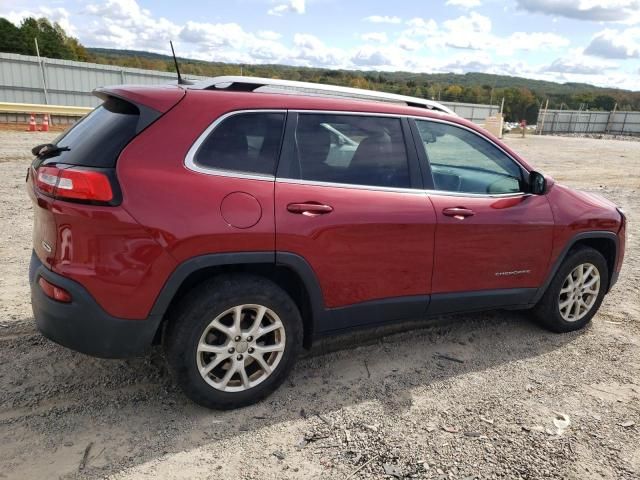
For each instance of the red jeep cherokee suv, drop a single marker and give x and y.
(236, 220)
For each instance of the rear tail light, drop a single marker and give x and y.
(74, 183)
(53, 291)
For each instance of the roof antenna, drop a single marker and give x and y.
(181, 81)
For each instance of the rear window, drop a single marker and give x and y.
(246, 142)
(98, 139)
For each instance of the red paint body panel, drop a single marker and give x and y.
(577, 212)
(179, 207)
(112, 256)
(373, 245)
(482, 251)
(44, 223)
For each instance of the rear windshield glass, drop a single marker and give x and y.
(98, 139)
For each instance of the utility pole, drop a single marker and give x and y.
(44, 78)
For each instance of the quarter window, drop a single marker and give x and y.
(246, 142)
(462, 161)
(351, 149)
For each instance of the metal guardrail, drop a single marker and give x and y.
(8, 107)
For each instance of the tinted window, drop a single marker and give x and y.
(98, 139)
(351, 149)
(247, 142)
(462, 161)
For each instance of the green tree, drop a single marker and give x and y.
(453, 92)
(52, 39)
(604, 102)
(11, 38)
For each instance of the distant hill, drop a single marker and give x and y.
(523, 96)
(467, 79)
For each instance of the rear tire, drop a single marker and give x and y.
(575, 293)
(233, 340)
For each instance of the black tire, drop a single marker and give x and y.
(547, 310)
(201, 306)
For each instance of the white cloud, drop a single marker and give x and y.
(310, 50)
(474, 32)
(123, 24)
(624, 11)
(576, 63)
(469, 32)
(464, 3)
(214, 35)
(290, 6)
(380, 37)
(420, 27)
(368, 56)
(528, 41)
(408, 44)
(382, 19)
(615, 44)
(269, 35)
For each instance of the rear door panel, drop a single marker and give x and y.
(374, 244)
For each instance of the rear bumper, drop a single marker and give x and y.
(82, 325)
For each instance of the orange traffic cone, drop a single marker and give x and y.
(32, 123)
(45, 123)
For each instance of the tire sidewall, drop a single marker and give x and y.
(575, 258)
(206, 304)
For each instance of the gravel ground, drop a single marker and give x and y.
(486, 395)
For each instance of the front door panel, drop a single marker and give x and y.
(493, 243)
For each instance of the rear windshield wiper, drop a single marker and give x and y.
(47, 149)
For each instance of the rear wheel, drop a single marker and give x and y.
(575, 293)
(233, 340)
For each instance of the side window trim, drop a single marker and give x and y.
(423, 159)
(415, 173)
(426, 165)
(288, 153)
(191, 164)
(288, 150)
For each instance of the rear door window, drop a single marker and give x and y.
(350, 149)
(245, 142)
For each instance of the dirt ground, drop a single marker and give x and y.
(519, 402)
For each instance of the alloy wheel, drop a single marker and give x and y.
(579, 292)
(241, 347)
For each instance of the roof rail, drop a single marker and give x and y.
(250, 84)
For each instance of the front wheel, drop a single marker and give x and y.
(575, 293)
(233, 340)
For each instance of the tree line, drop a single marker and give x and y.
(522, 97)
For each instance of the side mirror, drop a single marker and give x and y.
(537, 183)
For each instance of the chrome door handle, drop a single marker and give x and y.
(458, 212)
(309, 209)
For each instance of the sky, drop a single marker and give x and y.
(591, 41)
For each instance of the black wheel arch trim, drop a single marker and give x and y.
(294, 262)
(605, 234)
(192, 265)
